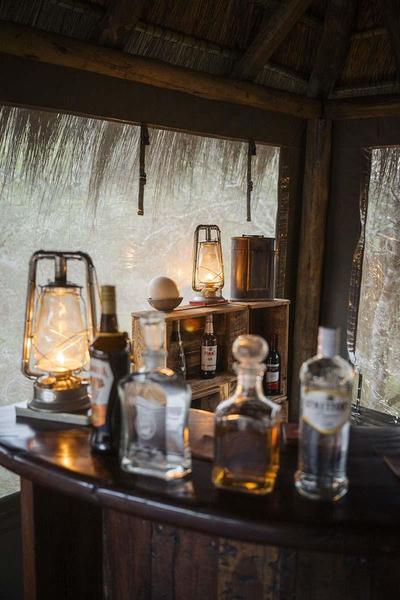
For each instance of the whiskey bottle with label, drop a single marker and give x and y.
(326, 392)
(109, 362)
(155, 409)
(272, 379)
(209, 349)
(246, 451)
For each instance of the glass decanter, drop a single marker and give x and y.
(247, 426)
(155, 409)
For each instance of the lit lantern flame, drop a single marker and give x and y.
(60, 342)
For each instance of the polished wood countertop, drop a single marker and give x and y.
(366, 520)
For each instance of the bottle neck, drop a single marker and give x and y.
(154, 360)
(176, 330)
(328, 342)
(272, 343)
(209, 327)
(108, 323)
(250, 381)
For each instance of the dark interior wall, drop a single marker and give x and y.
(343, 223)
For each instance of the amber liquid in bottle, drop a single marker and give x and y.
(109, 362)
(247, 427)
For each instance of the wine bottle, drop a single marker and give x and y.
(272, 381)
(176, 356)
(209, 349)
(109, 362)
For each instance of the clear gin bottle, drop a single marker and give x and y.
(326, 392)
(155, 408)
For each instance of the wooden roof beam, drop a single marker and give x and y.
(365, 107)
(391, 18)
(273, 31)
(119, 20)
(332, 51)
(41, 46)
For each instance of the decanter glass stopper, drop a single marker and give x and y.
(153, 330)
(250, 350)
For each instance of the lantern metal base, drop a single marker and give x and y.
(67, 395)
(200, 300)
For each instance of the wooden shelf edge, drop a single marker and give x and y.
(188, 311)
(204, 387)
(263, 303)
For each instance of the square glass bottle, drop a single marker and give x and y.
(247, 426)
(155, 406)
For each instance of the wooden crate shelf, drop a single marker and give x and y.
(230, 320)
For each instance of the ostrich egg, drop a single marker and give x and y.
(162, 288)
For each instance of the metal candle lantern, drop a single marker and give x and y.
(57, 333)
(208, 265)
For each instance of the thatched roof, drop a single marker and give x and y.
(330, 48)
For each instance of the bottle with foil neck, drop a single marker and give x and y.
(247, 426)
(326, 393)
(155, 408)
(109, 362)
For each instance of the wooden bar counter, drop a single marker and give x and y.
(91, 532)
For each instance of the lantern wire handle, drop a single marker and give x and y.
(251, 151)
(144, 141)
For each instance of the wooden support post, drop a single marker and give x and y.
(290, 184)
(311, 254)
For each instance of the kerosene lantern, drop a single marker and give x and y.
(58, 329)
(208, 265)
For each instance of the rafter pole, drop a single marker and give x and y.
(273, 31)
(391, 18)
(119, 20)
(365, 107)
(50, 48)
(309, 20)
(333, 47)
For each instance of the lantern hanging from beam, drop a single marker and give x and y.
(58, 329)
(208, 265)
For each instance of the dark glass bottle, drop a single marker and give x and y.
(209, 348)
(109, 362)
(272, 378)
(176, 358)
